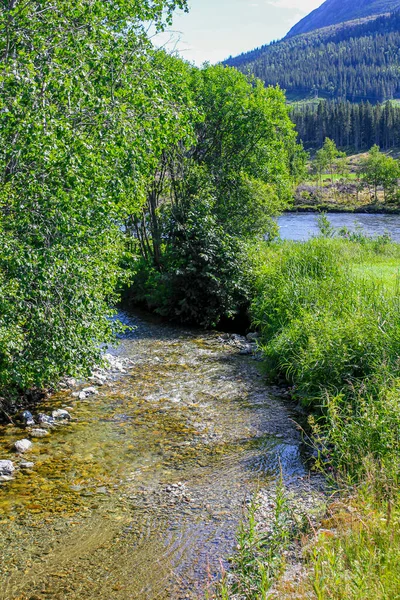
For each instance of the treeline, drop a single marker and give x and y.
(120, 163)
(349, 61)
(352, 126)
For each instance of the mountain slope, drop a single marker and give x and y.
(358, 62)
(338, 11)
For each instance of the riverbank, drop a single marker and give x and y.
(329, 315)
(342, 197)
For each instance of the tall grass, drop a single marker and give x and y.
(259, 558)
(329, 315)
(333, 332)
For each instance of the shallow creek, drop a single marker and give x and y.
(97, 518)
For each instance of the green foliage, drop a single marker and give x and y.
(359, 559)
(351, 126)
(327, 159)
(362, 425)
(323, 327)
(85, 112)
(377, 169)
(259, 557)
(212, 194)
(330, 326)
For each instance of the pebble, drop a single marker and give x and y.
(45, 420)
(61, 415)
(6, 467)
(27, 465)
(39, 433)
(22, 446)
(27, 418)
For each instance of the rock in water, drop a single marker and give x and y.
(27, 418)
(45, 420)
(90, 391)
(247, 349)
(39, 433)
(252, 337)
(22, 446)
(27, 465)
(61, 415)
(6, 468)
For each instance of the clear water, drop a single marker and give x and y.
(95, 518)
(302, 226)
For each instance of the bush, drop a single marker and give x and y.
(203, 276)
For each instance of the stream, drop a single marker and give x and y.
(141, 494)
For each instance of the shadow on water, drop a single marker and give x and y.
(141, 495)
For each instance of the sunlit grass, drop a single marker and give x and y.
(329, 313)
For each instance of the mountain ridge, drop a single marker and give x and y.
(333, 12)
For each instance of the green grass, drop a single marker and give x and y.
(259, 557)
(329, 315)
(361, 560)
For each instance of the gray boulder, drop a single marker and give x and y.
(247, 349)
(6, 468)
(252, 337)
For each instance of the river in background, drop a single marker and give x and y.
(303, 226)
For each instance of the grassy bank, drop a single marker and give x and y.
(329, 315)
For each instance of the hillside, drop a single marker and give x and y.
(358, 62)
(338, 11)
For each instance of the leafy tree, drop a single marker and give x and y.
(215, 193)
(377, 170)
(328, 158)
(85, 113)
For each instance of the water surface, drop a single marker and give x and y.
(98, 516)
(302, 226)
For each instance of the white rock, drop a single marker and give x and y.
(90, 391)
(39, 433)
(6, 468)
(45, 420)
(22, 446)
(61, 415)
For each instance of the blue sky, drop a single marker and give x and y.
(215, 29)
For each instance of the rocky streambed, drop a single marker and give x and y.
(138, 493)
